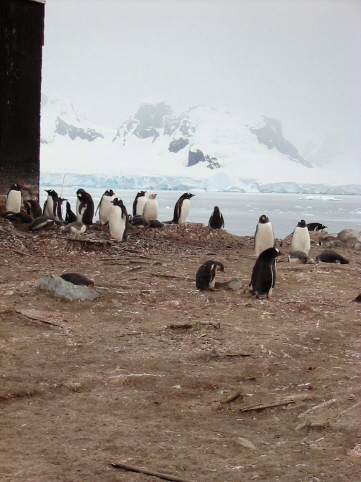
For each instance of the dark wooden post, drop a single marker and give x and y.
(22, 39)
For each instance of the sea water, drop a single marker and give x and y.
(241, 211)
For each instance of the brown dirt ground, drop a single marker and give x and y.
(120, 379)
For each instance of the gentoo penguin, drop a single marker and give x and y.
(118, 220)
(138, 220)
(138, 204)
(41, 222)
(51, 204)
(20, 216)
(105, 205)
(77, 279)
(60, 208)
(13, 199)
(206, 275)
(316, 226)
(33, 208)
(330, 256)
(74, 228)
(263, 237)
(263, 277)
(181, 208)
(84, 207)
(301, 238)
(216, 220)
(70, 217)
(300, 256)
(150, 210)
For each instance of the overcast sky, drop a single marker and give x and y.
(296, 60)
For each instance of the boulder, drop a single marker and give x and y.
(65, 289)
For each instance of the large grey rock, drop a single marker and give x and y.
(64, 289)
(349, 236)
(234, 284)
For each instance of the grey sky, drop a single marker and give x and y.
(295, 60)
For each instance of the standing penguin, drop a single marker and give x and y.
(70, 217)
(263, 277)
(139, 202)
(60, 209)
(216, 220)
(206, 275)
(105, 205)
(33, 208)
(13, 199)
(150, 210)
(51, 203)
(181, 208)
(263, 237)
(301, 238)
(84, 207)
(118, 220)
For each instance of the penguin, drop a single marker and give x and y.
(263, 236)
(301, 238)
(154, 223)
(59, 209)
(300, 256)
(206, 275)
(51, 203)
(263, 277)
(138, 220)
(216, 220)
(70, 217)
(33, 208)
(74, 228)
(77, 279)
(181, 208)
(330, 256)
(118, 220)
(150, 210)
(41, 222)
(13, 199)
(19, 216)
(139, 202)
(84, 207)
(315, 226)
(105, 205)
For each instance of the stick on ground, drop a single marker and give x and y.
(132, 468)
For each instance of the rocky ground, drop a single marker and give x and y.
(197, 385)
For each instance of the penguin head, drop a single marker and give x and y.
(109, 192)
(302, 224)
(15, 187)
(188, 195)
(152, 196)
(263, 219)
(141, 193)
(52, 193)
(81, 194)
(219, 266)
(117, 202)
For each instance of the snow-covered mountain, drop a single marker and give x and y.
(202, 148)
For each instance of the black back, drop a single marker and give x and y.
(206, 273)
(70, 217)
(33, 208)
(264, 272)
(178, 206)
(86, 201)
(315, 226)
(119, 202)
(216, 220)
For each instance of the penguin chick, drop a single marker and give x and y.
(105, 205)
(13, 199)
(42, 222)
(181, 208)
(138, 220)
(18, 216)
(138, 203)
(301, 238)
(263, 236)
(300, 256)
(263, 277)
(154, 223)
(33, 208)
(150, 210)
(330, 256)
(84, 207)
(74, 228)
(216, 220)
(118, 220)
(78, 279)
(206, 275)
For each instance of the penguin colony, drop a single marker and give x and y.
(113, 215)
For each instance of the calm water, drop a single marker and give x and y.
(242, 210)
